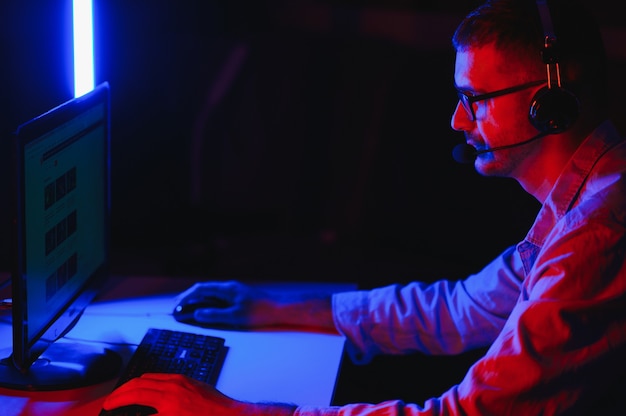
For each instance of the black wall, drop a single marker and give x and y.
(323, 151)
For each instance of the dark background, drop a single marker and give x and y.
(277, 140)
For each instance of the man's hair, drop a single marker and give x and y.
(514, 27)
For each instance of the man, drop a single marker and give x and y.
(551, 309)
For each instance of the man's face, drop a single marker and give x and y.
(496, 121)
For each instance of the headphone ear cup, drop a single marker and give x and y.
(553, 110)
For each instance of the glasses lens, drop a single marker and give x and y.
(464, 99)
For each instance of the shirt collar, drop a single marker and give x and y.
(567, 187)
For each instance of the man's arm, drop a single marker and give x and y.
(177, 395)
(253, 307)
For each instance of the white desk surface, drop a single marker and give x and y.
(292, 366)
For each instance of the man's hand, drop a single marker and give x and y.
(177, 395)
(252, 307)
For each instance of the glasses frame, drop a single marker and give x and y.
(467, 101)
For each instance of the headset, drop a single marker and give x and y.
(553, 109)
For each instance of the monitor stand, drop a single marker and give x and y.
(64, 365)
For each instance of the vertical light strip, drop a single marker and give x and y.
(83, 47)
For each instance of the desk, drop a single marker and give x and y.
(273, 365)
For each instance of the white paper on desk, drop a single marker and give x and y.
(279, 366)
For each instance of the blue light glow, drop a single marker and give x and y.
(83, 47)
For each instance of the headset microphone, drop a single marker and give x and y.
(464, 153)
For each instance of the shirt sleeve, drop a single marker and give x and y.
(444, 317)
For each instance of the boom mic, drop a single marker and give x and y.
(464, 153)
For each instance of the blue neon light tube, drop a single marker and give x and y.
(84, 79)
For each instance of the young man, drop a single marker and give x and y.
(551, 309)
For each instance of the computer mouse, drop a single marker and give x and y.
(184, 311)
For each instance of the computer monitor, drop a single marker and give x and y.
(61, 237)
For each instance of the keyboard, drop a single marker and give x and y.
(175, 352)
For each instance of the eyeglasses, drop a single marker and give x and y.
(467, 101)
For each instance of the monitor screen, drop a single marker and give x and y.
(61, 234)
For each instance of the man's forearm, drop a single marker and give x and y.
(312, 310)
